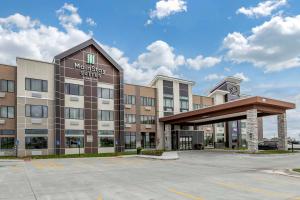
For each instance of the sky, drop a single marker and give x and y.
(204, 41)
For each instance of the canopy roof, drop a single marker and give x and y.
(234, 110)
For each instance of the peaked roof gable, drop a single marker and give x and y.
(86, 44)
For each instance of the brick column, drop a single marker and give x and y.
(252, 131)
(282, 131)
(168, 130)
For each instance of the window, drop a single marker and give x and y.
(168, 87)
(36, 111)
(130, 141)
(243, 125)
(7, 142)
(130, 119)
(105, 141)
(105, 93)
(220, 125)
(7, 132)
(197, 106)
(106, 132)
(36, 85)
(36, 131)
(148, 140)
(90, 58)
(129, 99)
(74, 133)
(74, 89)
(74, 141)
(184, 105)
(147, 101)
(183, 90)
(36, 142)
(7, 112)
(168, 104)
(105, 115)
(74, 113)
(147, 119)
(7, 86)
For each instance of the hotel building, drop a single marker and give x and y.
(80, 103)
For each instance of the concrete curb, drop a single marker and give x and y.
(283, 172)
(165, 156)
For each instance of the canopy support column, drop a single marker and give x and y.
(252, 130)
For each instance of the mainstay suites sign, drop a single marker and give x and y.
(89, 71)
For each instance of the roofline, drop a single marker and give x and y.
(215, 91)
(169, 77)
(6, 65)
(34, 60)
(84, 45)
(224, 81)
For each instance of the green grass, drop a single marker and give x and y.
(76, 155)
(296, 170)
(270, 152)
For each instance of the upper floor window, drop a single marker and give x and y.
(74, 113)
(7, 86)
(168, 104)
(105, 93)
(130, 119)
(90, 58)
(147, 119)
(197, 106)
(7, 132)
(129, 99)
(147, 101)
(7, 112)
(36, 111)
(105, 115)
(167, 87)
(36, 85)
(184, 105)
(74, 89)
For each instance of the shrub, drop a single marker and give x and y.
(138, 150)
(152, 152)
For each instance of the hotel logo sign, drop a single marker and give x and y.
(89, 71)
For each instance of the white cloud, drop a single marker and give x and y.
(159, 59)
(68, 16)
(242, 76)
(262, 9)
(227, 69)
(213, 77)
(201, 62)
(24, 37)
(273, 45)
(90, 21)
(165, 8)
(21, 36)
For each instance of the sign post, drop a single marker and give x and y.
(78, 147)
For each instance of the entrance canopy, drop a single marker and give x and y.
(234, 110)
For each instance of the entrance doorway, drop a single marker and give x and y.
(186, 142)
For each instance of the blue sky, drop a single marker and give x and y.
(203, 41)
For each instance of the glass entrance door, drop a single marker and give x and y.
(185, 142)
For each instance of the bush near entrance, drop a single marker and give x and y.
(152, 152)
(296, 170)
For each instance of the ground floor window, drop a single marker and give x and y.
(74, 138)
(36, 142)
(7, 142)
(74, 142)
(148, 140)
(130, 140)
(106, 141)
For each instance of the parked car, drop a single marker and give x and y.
(268, 145)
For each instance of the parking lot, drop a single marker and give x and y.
(197, 175)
